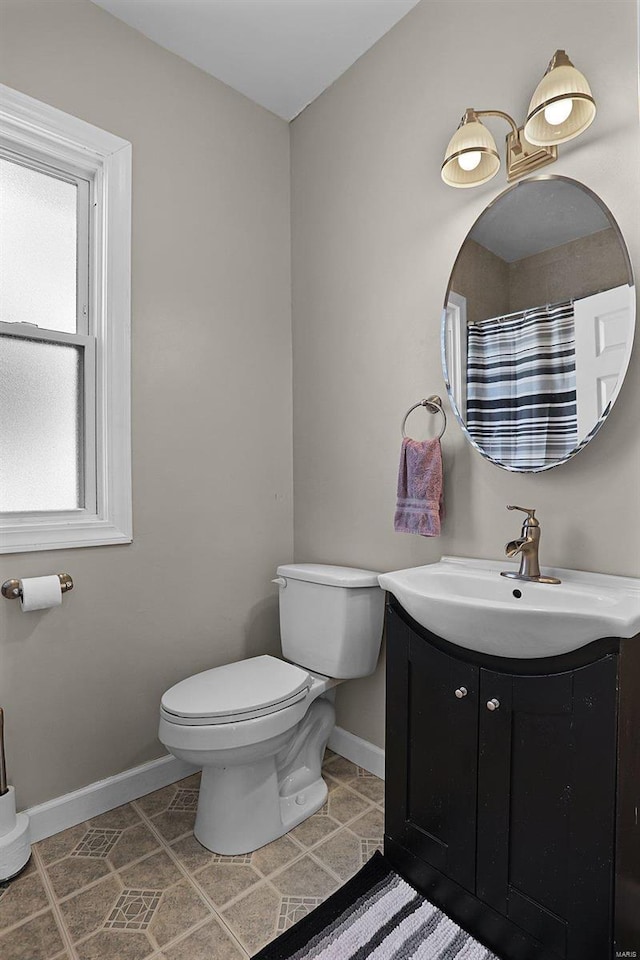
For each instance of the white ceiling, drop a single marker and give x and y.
(280, 53)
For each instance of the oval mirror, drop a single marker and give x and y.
(538, 324)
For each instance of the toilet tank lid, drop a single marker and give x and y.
(333, 576)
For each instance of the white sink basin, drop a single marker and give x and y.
(468, 603)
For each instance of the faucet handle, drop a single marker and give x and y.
(531, 516)
(529, 510)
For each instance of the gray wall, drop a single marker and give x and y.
(493, 287)
(375, 232)
(482, 278)
(571, 270)
(212, 460)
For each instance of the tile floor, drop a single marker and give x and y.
(134, 883)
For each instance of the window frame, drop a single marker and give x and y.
(26, 331)
(85, 202)
(44, 135)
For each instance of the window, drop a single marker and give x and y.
(65, 472)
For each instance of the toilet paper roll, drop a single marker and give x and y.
(40, 593)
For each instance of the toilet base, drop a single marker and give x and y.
(244, 807)
(293, 810)
(242, 829)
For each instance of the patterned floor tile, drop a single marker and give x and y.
(224, 881)
(304, 878)
(120, 879)
(342, 853)
(229, 857)
(21, 898)
(96, 843)
(275, 855)
(157, 872)
(179, 909)
(74, 873)
(37, 939)
(345, 852)
(192, 782)
(315, 828)
(133, 910)
(369, 847)
(370, 826)
(87, 911)
(343, 804)
(369, 786)
(132, 844)
(209, 942)
(267, 859)
(254, 918)
(60, 844)
(174, 823)
(157, 801)
(341, 768)
(293, 909)
(96, 848)
(172, 809)
(184, 800)
(366, 774)
(117, 819)
(331, 782)
(193, 855)
(115, 945)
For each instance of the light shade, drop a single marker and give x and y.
(563, 91)
(470, 140)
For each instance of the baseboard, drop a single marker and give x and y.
(359, 751)
(96, 798)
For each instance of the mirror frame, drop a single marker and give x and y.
(624, 367)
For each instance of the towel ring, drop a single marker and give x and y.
(433, 405)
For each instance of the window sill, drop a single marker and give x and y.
(26, 534)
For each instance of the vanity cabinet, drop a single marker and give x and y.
(512, 791)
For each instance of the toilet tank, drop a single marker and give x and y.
(331, 618)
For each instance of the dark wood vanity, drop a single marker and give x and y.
(513, 791)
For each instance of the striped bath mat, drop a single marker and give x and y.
(375, 916)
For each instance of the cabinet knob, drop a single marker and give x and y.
(461, 692)
(493, 704)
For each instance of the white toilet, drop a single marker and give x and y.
(259, 727)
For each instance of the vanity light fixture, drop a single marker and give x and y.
(560, 109)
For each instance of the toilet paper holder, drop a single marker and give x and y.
(12, 591)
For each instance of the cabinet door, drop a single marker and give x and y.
(546, 802)
(432, 739)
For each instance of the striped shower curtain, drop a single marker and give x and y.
(521, 386)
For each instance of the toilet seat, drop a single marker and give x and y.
(236, 691)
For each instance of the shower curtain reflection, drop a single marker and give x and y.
(521, 383)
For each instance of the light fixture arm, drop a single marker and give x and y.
(521, 157)
(514, 142)
(498, 113)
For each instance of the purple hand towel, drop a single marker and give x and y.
(420, 506)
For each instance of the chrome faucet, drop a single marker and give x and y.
(527, 546)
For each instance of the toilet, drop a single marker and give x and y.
(259, 727)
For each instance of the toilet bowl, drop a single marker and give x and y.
(259, 727)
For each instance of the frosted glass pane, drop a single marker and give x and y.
(37, 248)
(40, 425)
